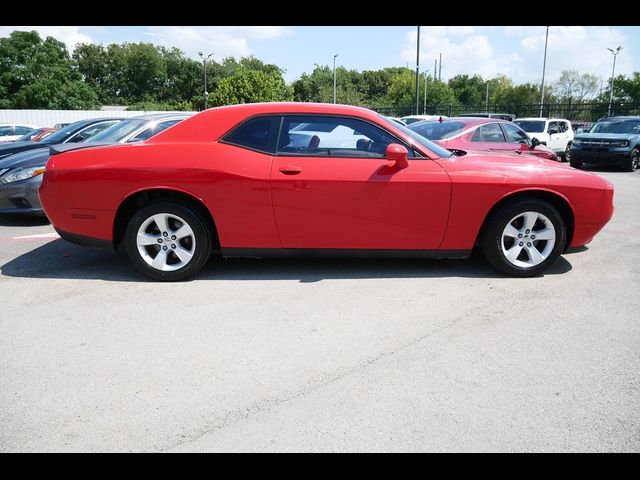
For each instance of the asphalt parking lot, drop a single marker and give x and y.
(344, 355)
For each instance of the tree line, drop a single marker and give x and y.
(41, 73)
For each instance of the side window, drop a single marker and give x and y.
(5, 131)
(151, 131)
(514, 134)
(90, 131)
(489, 132)
(257, 134)
(553, 127)
(332, 136)
(23, 130)
(564, 126)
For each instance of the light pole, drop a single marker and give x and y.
(334, 77)
(426, 79)
(544, 66)
(204, 65)
(418, 73)
(613, 72)
(487, 97)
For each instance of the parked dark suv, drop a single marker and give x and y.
(613, 141)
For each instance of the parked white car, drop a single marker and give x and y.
(409, 119)
(12, 131)
(555, 133)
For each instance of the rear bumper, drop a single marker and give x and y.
(81, 226)
(86, 241)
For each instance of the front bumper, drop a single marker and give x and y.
(602, 157)
(21, 196)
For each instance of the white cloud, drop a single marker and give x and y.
(69, 35)
(518, 51)
(464, 50)
(223, 41)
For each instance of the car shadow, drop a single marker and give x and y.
(22, 220)
(61, 260)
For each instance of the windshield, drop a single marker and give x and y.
(61, 135)
(531, 126)
(117, 132)
(408, 120)
(28, 136)
(438, 130)
(620, 126)
(438, 150)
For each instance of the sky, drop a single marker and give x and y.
(510, 50)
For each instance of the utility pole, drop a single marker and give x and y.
(334, 77)
(418, 72)
(204, 64)
(544, 66)
(435, 69)
(615, 54)
(440, 71)
(426, 79)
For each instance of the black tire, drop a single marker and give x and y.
(201, 251)
(575, 163)
(492, 241)
(634, 160)
(567, 153)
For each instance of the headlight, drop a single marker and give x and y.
(623, 143)
(22, 174)
(576, 142)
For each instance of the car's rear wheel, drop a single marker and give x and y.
(634, 160)
(524, 238)
(167, 241)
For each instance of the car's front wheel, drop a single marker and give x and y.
(167, 241)
(567, 153)
(524, 237)
(634, 160)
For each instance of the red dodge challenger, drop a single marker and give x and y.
(302, 178)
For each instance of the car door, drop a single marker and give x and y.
(517, 140)
(489, 137)
(555, 137)
(339, 192)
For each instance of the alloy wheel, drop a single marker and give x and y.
(528, 239)
(166, 242)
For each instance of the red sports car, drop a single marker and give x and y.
(481, 134)
(301, 178)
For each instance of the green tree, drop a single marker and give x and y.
(468, 90)
(248, 86)
(36, 73)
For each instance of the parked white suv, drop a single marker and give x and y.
(555, 133)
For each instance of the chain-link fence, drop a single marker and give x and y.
(577, 112)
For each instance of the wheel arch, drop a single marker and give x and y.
(559, 201)
(139, 198)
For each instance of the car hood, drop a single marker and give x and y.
(16, 147)
(509, 165)
(29, 158)
(605, 136)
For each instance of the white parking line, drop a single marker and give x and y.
(39, 235)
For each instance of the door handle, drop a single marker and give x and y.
(291, 170)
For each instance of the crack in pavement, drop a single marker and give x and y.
(267, 405)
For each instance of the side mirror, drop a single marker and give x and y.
(534, 143)
(398, 155)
